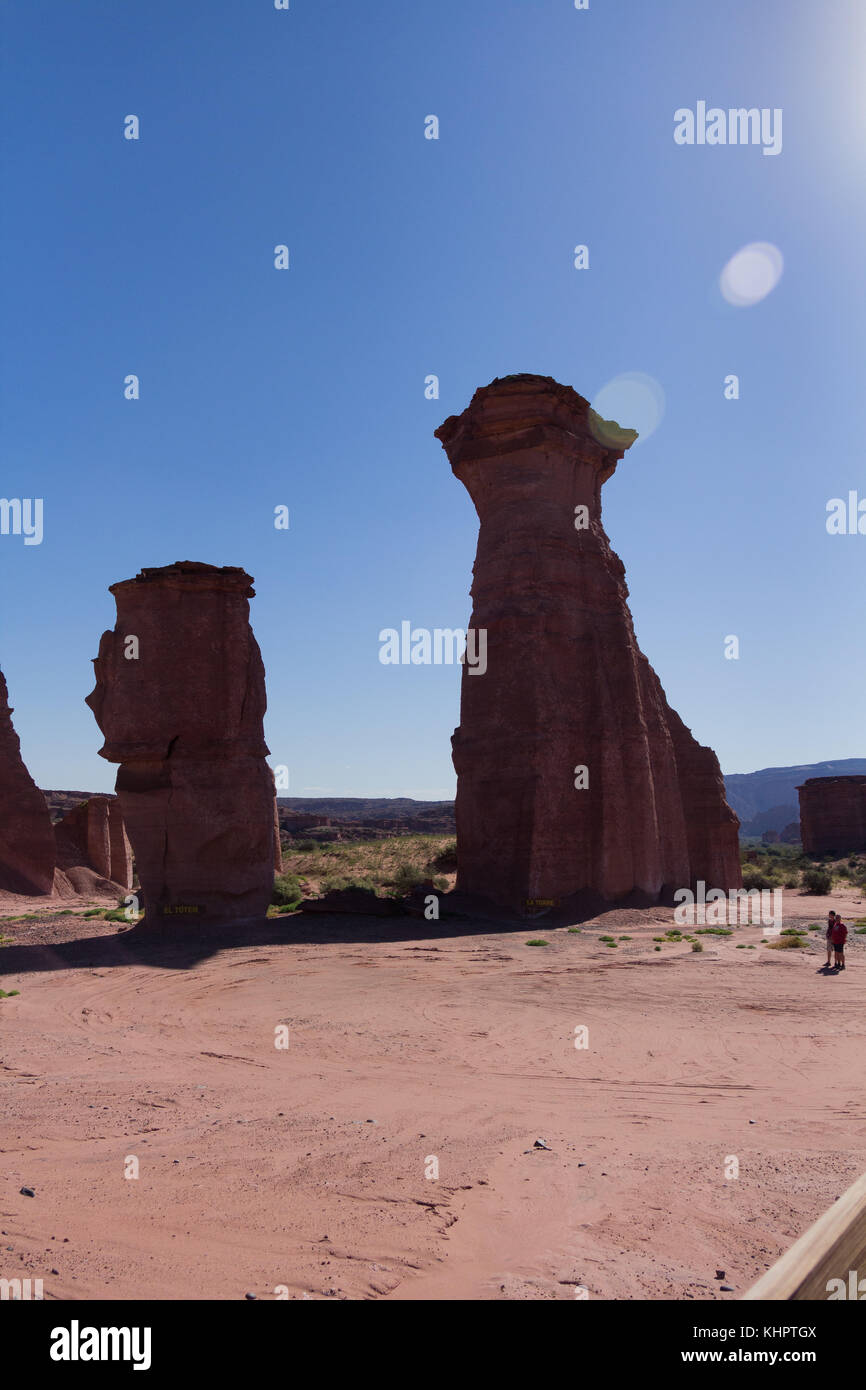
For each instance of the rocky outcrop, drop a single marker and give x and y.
(180, 699)
(26, 837)
(93, 836)
(574, 776)
(833, 815)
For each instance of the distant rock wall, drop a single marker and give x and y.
(180, 698)
(93, 836)
(833, 814)
(27, 854)
(566, 685)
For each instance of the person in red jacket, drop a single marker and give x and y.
(838, 936)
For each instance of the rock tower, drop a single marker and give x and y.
(574, 776)
(180, 699)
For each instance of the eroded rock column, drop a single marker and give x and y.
(180, 699)
(27, 855)
(566, 686)
(833, 814)
(92, 836)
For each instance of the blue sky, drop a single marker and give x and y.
(409, 257)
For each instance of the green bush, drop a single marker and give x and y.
(446, 859)
(817, 881)
(287, 891)
(408, 877)
(756, 877)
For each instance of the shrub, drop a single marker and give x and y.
(407, 877)
(818, 882)
(539, 941)
(697, 945)
(756, 877)
(287, 891)
(446, 859)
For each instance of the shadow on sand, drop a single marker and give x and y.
(181, 947)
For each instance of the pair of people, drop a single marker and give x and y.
(837, 935)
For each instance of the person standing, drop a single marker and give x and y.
(839, 936)
(831, 922)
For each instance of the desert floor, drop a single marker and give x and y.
(304, 1168)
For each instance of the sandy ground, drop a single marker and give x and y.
(303, 1169)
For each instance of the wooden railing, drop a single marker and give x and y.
(834, 1248)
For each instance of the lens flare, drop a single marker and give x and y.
(634, 400)
(751, 274)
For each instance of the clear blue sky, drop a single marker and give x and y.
(408, 257)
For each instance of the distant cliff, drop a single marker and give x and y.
(767, 800)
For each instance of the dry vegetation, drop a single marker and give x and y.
(389, 867)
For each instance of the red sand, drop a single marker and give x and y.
(259, 1167)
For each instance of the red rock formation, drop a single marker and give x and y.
(833, 814)
(566, 685)
(26, 837)
(183, 717)
(93, 836)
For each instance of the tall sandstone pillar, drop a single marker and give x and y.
(180, 699)
(566, 685)
(27, 854)
(833, 814)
